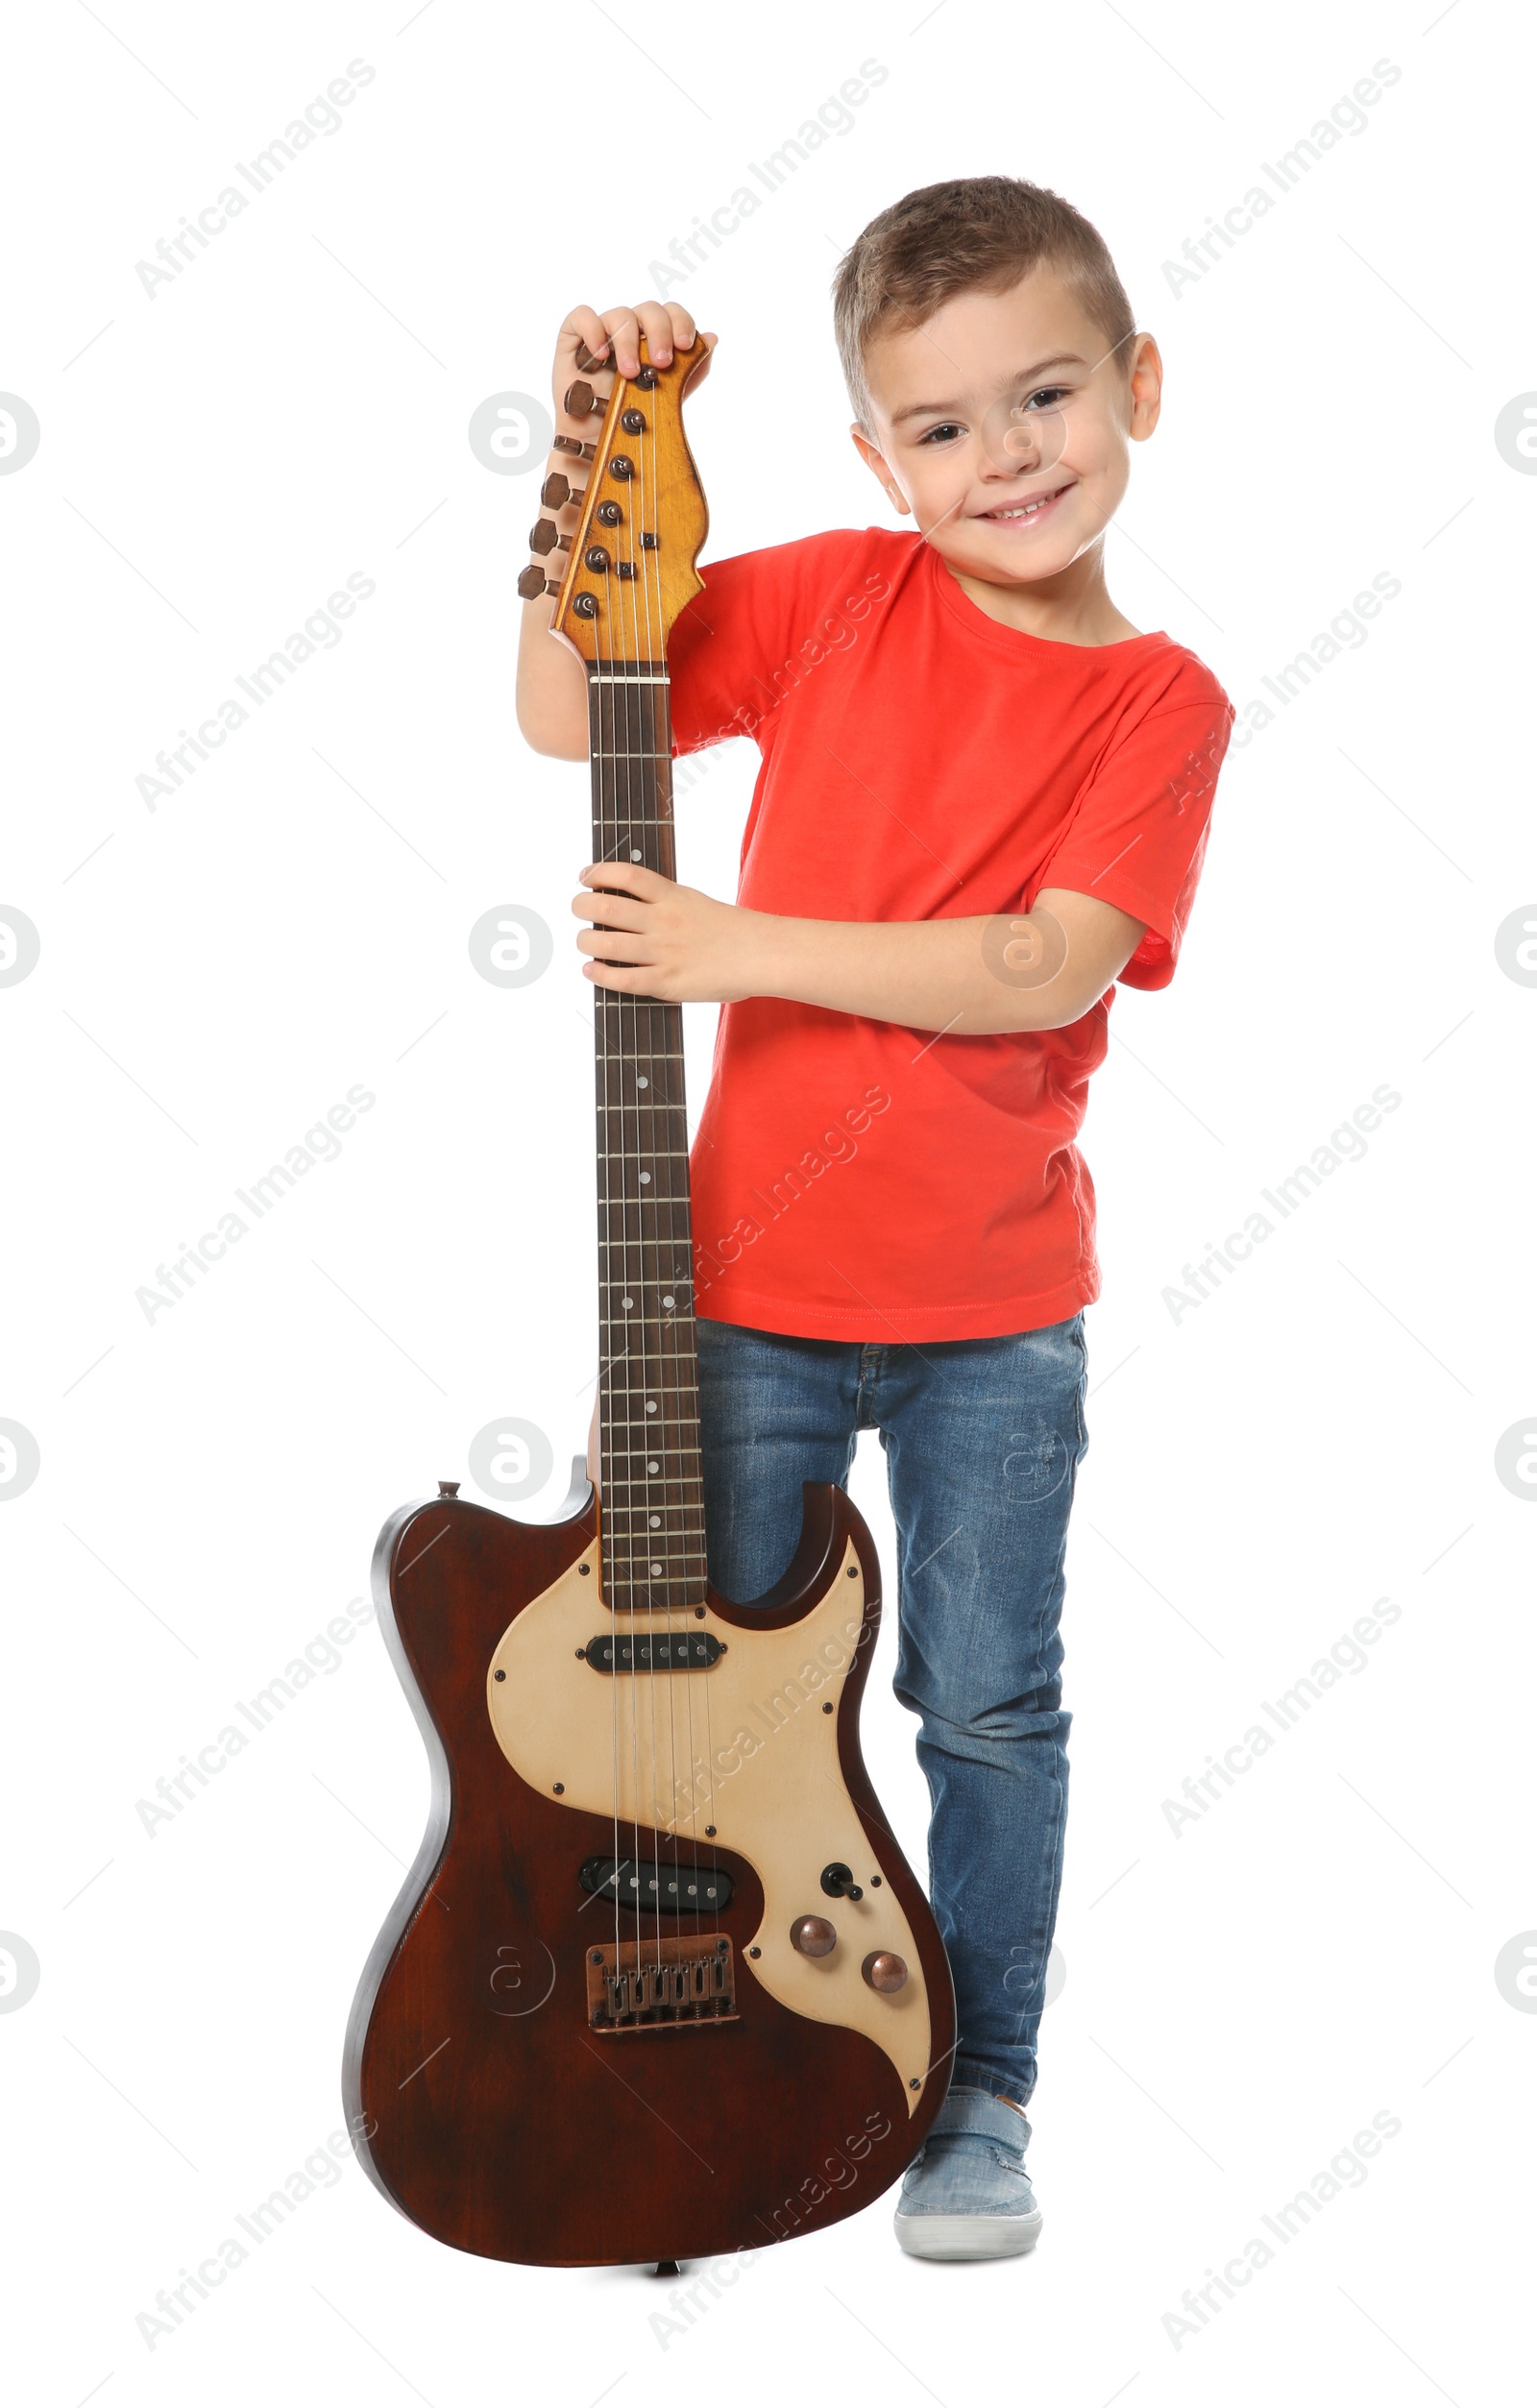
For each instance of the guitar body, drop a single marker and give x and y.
(784, 2091)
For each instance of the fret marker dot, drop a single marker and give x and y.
(650, 1405)
(635, 856)
(628, 1302)
(651, 1466)
(656, 1521)
(643, 1082)
(646, 1178)
(656, 1571)
(668, 1302)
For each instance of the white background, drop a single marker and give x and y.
(1319, 1946)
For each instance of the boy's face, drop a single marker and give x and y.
(1004, 425)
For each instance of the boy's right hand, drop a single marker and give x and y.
(613, 337)
(552, 680)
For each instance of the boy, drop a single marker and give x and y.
(989, 793)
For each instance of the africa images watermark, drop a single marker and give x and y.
(322, 2169)
(319, 1143)
(320, 119)
(1348, 1655)
(686, 2306)
(834, 117)
(1346, 1144)
(175, 1791)
(697, 1789)
(836, 1144)
(1347, 2170)
(177, 763)
(1347, 117)
(1347, 631)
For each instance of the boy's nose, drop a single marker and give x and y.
(1020, 443)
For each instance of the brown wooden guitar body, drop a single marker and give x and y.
(489, 2110)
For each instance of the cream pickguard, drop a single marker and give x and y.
(744, 1746)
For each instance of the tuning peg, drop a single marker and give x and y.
(542, 538)
(531, 584)
(577, 451)
(587, 361)
(555, 493)
(581, 401)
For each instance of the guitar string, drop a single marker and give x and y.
(690, 1461)
(622, 1015)
(691, 1466)
(612, 1006)
(645, 663)
(609, 1015)
(611, 1071)
(630, 1008)
(661, 1118)
(601, 1082)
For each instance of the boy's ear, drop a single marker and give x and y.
(1147, 388)
(876, 464)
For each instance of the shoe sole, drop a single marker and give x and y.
(961, 2237)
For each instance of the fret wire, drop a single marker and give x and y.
(690, 1456)
(684, 1539)
(625, 1375)
(664, 1547)
(628, 1551)
(671, 1574)
(645, 1453)
(656, 1321)
(655, 1480)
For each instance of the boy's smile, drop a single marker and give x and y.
(1004, 425)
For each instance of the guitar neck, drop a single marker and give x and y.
(649, 1469)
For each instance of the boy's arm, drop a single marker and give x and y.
(551, 679)
(989, 977)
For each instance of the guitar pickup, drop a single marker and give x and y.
(648, 1651)
(668, 1888)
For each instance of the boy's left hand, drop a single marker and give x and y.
(664, 940)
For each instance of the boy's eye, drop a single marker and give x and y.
(1047, 396)
(946, 432)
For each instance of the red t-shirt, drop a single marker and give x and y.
(854, 1178)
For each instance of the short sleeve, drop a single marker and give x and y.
(1138, 836)
(730, 654)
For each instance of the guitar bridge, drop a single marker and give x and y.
(660, 1984)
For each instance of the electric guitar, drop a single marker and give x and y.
(660, 1984)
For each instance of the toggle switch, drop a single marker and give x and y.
(839, 1882)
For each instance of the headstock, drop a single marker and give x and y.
(627, 567)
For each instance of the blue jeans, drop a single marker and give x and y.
(983, 1440)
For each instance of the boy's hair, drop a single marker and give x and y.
(976, 235)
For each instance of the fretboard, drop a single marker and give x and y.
(650, 1471)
